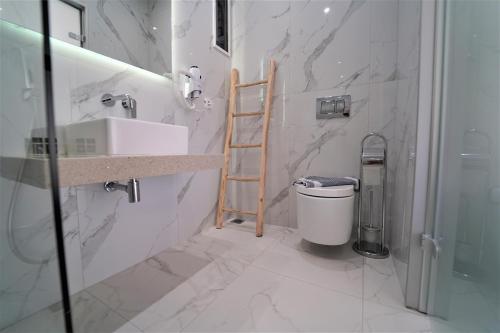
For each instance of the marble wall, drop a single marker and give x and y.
(26, 216)
(123, 30)
(104, 233)
(349, 48)
(408, 60)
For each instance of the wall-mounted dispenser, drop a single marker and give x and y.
(190, 85)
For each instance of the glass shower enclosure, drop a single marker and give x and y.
(454, 270)
(32, 276)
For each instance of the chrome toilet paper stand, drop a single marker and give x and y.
(371, 237)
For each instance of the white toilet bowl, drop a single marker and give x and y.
(325, 214)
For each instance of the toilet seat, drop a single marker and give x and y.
(327, 192)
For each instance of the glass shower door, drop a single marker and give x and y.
(30, 283)
(465, 279)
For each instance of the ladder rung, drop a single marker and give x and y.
(256, 145)
(256, 83)
(245, 212)
(244, 178)
(247, 114)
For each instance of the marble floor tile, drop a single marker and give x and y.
(134, 290)
(177, 262)
(47, 320)
(89, 315)
(262, 301)
(381, 318)
(245, 246)
(233, 241)
(229, 280)
(334, 268)
(244, 233)
(181, 306)
(381, 284)
(203, 246)
(231, 250)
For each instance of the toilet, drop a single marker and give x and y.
(325, 214)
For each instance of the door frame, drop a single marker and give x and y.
(430, 269)
(427, 155)
(425, 252)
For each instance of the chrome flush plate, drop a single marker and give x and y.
(333, 107)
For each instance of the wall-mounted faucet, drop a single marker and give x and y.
(127, 102)
(132, 189)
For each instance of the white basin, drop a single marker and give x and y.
(120, 136)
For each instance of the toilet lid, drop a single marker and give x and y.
(327, 192)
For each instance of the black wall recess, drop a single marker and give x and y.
(222, 24)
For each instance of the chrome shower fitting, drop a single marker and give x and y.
(132, 189)
(127, 102)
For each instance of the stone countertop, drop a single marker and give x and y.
(98, 169)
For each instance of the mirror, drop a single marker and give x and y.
(137, 32)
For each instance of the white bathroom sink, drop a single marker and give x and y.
(120, 136)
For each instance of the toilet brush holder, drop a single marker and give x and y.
(371, 204)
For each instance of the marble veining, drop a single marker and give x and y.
(131, 38)
(320, 49)
(96, 89)
(95, 237)
(404, 143)
(311, 64)
(267, 299)
(187, 289)
(181, 29)
(100, 9)
(351, 79)
(28, 287)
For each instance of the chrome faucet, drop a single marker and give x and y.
(127, 102)
(132, 189)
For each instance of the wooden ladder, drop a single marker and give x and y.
(261, 178)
